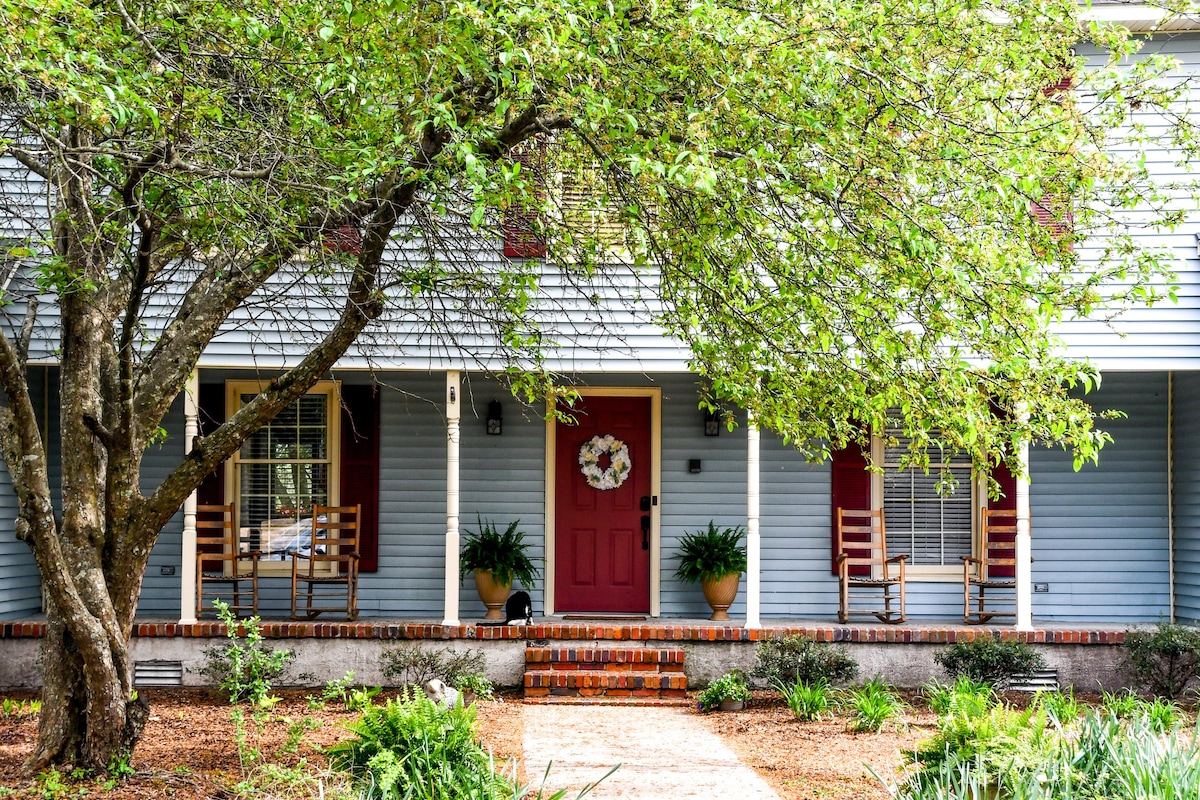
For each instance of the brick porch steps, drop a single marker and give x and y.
(604, 674)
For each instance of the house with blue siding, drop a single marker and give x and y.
(429, 442)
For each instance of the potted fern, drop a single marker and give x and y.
(497, 558)
(716, 559)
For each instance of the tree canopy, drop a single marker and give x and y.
(851, 212)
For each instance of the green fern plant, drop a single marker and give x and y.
(412, 748)
(504, 554)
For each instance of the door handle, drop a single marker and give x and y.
(645, 531)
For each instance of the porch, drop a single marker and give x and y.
(1088, 656)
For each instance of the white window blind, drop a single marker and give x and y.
(932, 527)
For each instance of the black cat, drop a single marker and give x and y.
(518, 610)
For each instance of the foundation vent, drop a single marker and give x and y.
(1045, 680)
(158, 673)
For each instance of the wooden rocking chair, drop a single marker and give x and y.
(326, 577)
(219, 562)
(864, 570)
(994, 569)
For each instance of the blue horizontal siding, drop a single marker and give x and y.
(1100, 535)
(20, 584)
(1187, 496)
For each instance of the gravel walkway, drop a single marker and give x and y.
(664, 752)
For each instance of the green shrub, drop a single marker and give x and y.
(797, 658)
(1166, 659)
(413, 748)
(413, 665)
(989, 660)
(872, 705)
(730, 686)
(808, 701)
(244, 667)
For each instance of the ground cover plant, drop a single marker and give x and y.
(872, 705)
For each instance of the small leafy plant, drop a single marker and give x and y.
(730, 686)
(244, 667)
(808, 701)
(710, 554)
(20, 709)
(989, 660)
(1166, 659)
(476, 683)
(504, 554)
(798, 658)
(872, 706)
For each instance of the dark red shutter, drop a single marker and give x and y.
(343, 239)
(522, 236)
(212, 414)
(851, 488)
(1008, 502)
(360, 467)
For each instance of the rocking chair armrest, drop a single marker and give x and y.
(971, 560)
(253, 554)
(841, 557)
(894, 559)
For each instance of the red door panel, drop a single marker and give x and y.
(602, 561)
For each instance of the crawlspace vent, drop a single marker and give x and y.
(1044, 680)
(158, 673)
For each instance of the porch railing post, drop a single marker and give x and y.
(753, 545)
(1024, 547)
(453, 403)
(187, 567)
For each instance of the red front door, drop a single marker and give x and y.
(602, 535)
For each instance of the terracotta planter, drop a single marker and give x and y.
(492, 593)
(720, 593)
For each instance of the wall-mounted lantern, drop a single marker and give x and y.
(712, 423)
(495, 418)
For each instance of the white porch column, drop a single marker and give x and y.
(453, 404)
(753, 545)
(187, 566)
(1024, 549)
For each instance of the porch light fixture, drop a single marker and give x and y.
(712, 423)
(495, 418)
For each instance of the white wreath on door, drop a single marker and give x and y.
(619, 464)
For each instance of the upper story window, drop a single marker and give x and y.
(288, 466)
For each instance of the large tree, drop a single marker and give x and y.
(840, 206)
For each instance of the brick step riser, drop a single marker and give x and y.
(652, 696)
(667, 659)
(605, 674)
(604, 680)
